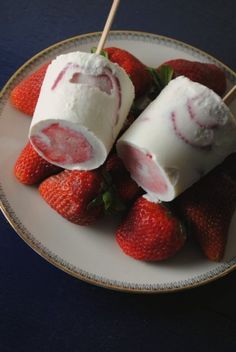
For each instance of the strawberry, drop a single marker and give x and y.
(150, 232)
(84, 196)
(71, 194)
(125, 187)
(134, 68)
(209, 75)
(208, 207)
(30, 168)
(114, 165)
(25, 95)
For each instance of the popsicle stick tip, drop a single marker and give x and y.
(107, 26)
(230, 96)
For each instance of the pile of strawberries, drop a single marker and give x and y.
(148, 231)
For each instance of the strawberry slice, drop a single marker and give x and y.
(62, 145)
(25, 95)
(30, 168)
(208, 207)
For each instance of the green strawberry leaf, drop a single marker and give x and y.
(107, 200)
(111, 201)
(103, 52)
(96, 202)
(160, 79)
(155, 77)
(162, 76)
(165, 74)
(108, 196)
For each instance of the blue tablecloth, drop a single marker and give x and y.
(41, 307)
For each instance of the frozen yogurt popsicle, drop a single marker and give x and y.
(83, 104)
(184, 133)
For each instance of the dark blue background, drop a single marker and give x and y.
(44, 309)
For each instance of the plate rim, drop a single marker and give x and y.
(45, 253)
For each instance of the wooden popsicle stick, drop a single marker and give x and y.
(107, 26)
(230, 96)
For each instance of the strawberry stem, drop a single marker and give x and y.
(165, 74)
(108, 196)
(103, 52)
(107, 200)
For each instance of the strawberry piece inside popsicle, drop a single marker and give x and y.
(143, 169)
(63, 145)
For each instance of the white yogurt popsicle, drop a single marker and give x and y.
(83, 104)
(184, 133)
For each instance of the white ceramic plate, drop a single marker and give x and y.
(91, 253)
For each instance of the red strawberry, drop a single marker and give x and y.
(150, 232)
(25, 95)
(114, 166)
(209, 75)
(208, 207)
(70, 193)
(126, 188)
(134, 68)
(31, 168)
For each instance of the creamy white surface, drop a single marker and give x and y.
(81, 106)
(182, 163)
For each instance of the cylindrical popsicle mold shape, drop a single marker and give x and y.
(183, 134)
(83, 104)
